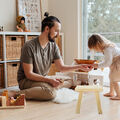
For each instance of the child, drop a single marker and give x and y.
(111, 54)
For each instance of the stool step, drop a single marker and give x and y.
(88, 88)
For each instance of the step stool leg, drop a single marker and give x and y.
(79, 102)
(98, 102)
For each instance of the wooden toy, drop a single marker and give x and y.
(11, 102)
(21, 27)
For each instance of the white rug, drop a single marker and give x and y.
(65, 95)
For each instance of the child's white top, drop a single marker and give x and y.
(109, 54)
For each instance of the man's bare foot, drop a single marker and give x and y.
(108, 94)
(115, 98)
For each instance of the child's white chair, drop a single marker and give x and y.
(89, 88)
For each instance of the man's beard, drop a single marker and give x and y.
(51, 39)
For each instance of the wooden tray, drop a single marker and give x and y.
(12, 107)
(84, 61)
(8, 103)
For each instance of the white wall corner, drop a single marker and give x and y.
(67, 12)
(80, 43)
(44, 7)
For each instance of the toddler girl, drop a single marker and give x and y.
(111, 54)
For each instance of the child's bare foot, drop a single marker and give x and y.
(108, 94)
(115, 98)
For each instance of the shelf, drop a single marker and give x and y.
(9, 53)
(19, 33)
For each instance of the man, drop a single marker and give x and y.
(36, 58)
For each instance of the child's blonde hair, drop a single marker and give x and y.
(97, 40)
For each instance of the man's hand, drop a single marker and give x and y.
(86, 67)
(55, 82)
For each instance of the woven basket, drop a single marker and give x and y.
(59, 43)
(30, 37)
(53, 70)
(12, 69)
(1, 48)
(1, 76)
(13, 47)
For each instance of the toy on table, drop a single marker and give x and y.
(21, 24)
(11, 102)
(80, 75)
(100, 68)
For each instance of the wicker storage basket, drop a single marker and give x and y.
(52, 70)
(1, 76)
(12, 69)
(30, 37)
(59, 43)
(1, 48)
(13, 47)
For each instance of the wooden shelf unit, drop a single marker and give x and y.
(10, 50)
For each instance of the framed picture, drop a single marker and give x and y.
(32, 11)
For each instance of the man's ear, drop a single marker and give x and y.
(47, 29)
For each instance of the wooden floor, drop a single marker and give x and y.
(36, 110)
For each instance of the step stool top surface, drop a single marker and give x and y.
(87, 88)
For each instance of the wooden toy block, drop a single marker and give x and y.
(3, 101)
(7, 102)
(89, 88)
(20, 100)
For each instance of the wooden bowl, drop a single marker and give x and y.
(84, 61)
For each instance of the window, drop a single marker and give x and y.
(103, 17)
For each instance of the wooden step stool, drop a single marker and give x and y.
(89, 88)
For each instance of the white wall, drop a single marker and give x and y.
(44, 6)
(8, 14)
(67, 12)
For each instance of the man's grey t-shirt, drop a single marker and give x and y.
(33, 53)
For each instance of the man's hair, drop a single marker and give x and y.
(48, 21)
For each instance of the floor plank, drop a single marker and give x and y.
(36, 110)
